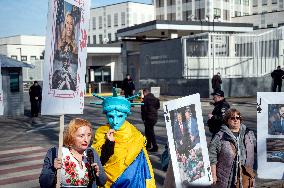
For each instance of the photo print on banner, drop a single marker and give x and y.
(65, 57)
(187, 141)
(270, 135)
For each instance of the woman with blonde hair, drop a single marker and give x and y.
(67, 40)
(80, 164)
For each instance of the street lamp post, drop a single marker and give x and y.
(213, 41)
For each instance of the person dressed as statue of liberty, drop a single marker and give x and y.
(121, 147)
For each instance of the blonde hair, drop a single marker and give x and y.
(73, 126)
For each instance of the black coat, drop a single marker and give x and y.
(128, 86)
(149, 111)
(277, 75)
(35, 91)
(218, 113)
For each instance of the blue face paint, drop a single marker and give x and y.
(116, 119)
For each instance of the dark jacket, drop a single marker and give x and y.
(223, 155)
(128, 86)
(216, 82)
(218, 113)
(277, 75)
(35, 91)
(149, 111)
(47, 178)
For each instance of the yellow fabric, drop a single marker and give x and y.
(128, 144)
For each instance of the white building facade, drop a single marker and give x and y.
(26, 48)
(265, 14)
(188, 10)
(106, 20)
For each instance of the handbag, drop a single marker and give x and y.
(245, 173)
(248, 177)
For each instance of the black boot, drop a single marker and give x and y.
(154, 149)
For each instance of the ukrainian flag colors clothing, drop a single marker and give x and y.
(129, 166)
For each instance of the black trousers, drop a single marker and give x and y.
(150, 134)
(35, 106)
(275, 84)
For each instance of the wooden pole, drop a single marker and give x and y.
(58, 182)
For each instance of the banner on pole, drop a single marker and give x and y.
(270, 135)
(65, 57)
(187, 141)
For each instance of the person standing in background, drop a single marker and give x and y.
(277, 76)
(35, 98)
(216, 82)
(128, 86)
(149, 113)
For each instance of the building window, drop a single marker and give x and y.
(41, 57)
(33, 57)
(109, 37)
(14, 57)
(94, 23)
(115, 20)
(109, 20)
(254, 3)
(225, 15)
(255, 27)
(14, 81)
(217, 12)
(100, 39)
(274, 2)
(159, 3)
(24, 58)
(238, 2)
(89, 40)
(102, 74)
(246, 2)
(123, 18)
(270, 26)
(100, 22)
(264, 2)
(94, 39)
(237, 13)
(115, 35)
(170, 2)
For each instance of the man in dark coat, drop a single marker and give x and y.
(35, 98)
(277, 76)
(215, 119)
(276, 122)
(128, 86)
(216, 82)
(149, 113)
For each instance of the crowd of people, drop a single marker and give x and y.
(112, 157)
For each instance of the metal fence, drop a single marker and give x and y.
(233, 55)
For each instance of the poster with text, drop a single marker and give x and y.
(187, 141)
(270, 135)
(65, 57)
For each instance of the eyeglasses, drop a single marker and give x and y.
(235, 118)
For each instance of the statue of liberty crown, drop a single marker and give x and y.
(115, 102)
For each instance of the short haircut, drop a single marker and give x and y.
(73, 126)
(230, 113)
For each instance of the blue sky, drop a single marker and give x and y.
(28, 17)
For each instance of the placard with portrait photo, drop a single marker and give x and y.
(270, 135)
(65, 57)
(187, 141)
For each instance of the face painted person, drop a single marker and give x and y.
(121, 148)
